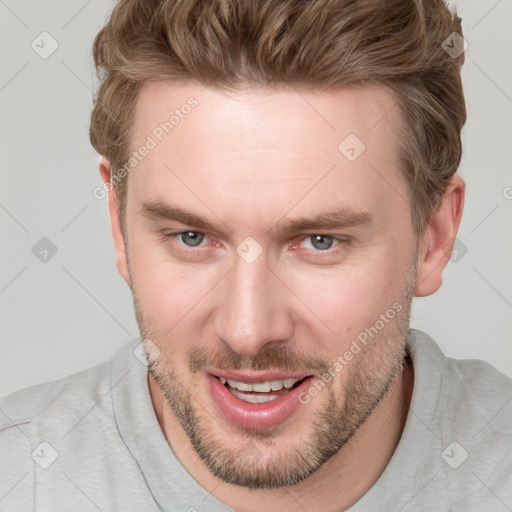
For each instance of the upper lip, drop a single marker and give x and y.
(252, 377)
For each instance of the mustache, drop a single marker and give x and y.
(269, 358)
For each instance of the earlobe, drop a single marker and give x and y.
(115, 222)
(437, 244)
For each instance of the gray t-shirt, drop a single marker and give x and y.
(92, 442)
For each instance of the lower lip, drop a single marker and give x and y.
(255, 416)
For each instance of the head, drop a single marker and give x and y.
(295, 191)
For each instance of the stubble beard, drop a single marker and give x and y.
(256, 463)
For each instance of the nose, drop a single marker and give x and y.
(253, 308)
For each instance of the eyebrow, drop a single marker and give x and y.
(160, 210)
(340, 218)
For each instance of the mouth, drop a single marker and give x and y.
(257, 401)
(260, 392)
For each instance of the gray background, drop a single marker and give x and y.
(73, 310)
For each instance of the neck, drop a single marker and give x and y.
(336, 486)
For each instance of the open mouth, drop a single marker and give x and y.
(256, 400)
(260, 392)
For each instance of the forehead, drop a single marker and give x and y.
(273, 148)
(273, 117)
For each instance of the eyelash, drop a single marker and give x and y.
(331, 251)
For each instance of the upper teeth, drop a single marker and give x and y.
(261, 387)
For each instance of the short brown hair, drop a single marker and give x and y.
(308, 44)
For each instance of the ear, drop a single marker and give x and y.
(437, 243)
(115, 222)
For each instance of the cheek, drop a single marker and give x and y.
(342, 302)
(171, 296)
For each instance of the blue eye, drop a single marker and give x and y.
(191, 238)
(320, 242)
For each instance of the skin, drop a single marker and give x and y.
(248, 163)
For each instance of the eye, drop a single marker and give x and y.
(189, 245)
(319, 242)
(191, 238)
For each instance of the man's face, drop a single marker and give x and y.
(260, 250)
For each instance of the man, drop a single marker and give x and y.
(281, 179)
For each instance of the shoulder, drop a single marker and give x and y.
(54, 433)
(466, 388)
(479, 396)
(470, 426)
(478, 436)
(30, 404)
(32, 416)
(49, 409)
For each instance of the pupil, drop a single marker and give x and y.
(192, 238)
(321, 242)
